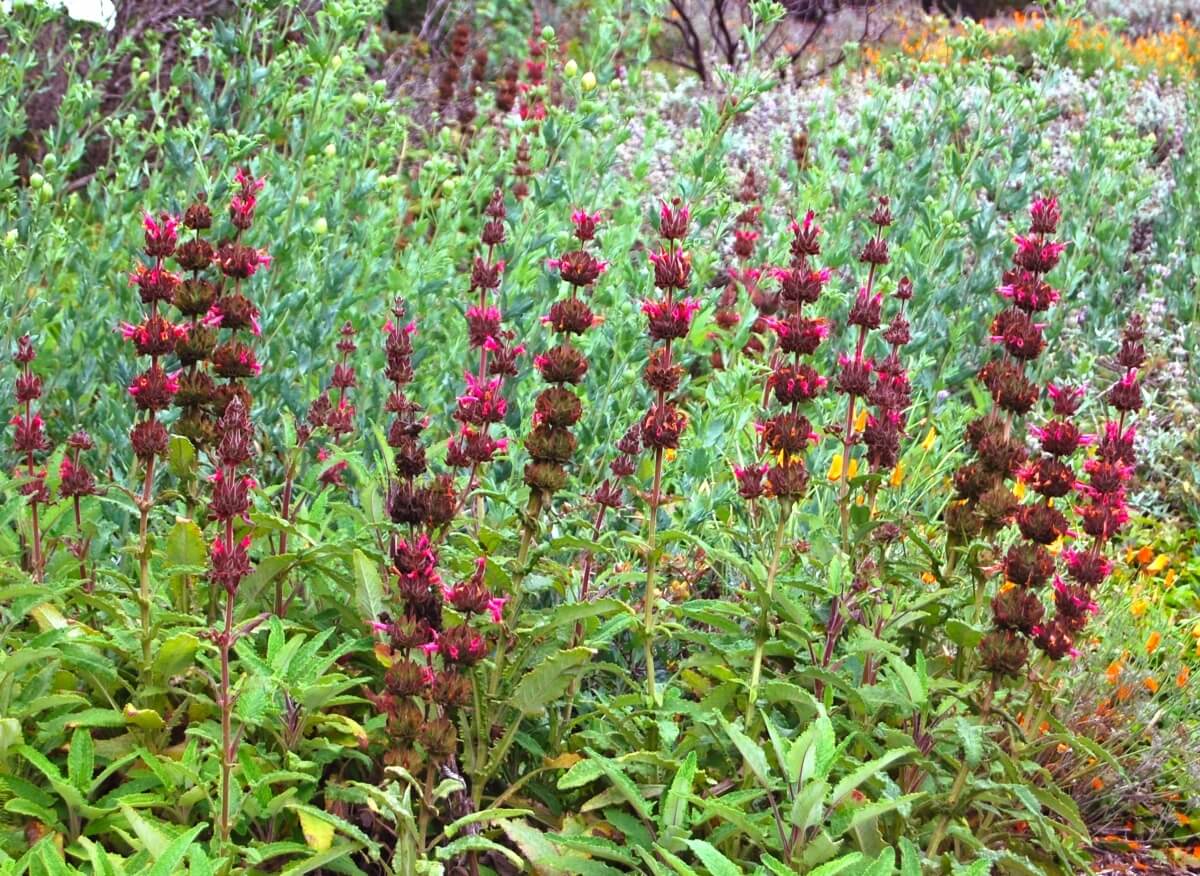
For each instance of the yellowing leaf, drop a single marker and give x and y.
(147, 719)
(318, 833)
(564, 761)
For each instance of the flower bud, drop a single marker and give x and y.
(588, 82)
(571, 69)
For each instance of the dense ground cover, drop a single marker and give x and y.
(497, 449)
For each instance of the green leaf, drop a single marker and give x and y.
(535, 846)
(548, 680)
(154, 840)
(867, 771)
(714, 862)
(173, 855)
(754, 756)
(971, 736)
(175, 655)
(484, 815)
(185, 544)
(841, 865)
(181, 458)
(81, 760)
(623, 785)
(910, 858)
(368, 587)
(476, 843)
(675, 806)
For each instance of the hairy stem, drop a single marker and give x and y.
(651, 596)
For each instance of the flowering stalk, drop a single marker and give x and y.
(742, 275)
(784, 434)
(421, 698)
(986, 503)
(855, 377)
(229, 563)
(557, 408)
(668, 319)
(482, 404)
(29, 441)
(154, 389)
(339, 419)
(75, 482)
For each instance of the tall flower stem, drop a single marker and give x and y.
(760, 640)
(145, 505)
(577, 634)
(227, 744)
(651, 596)
(527, 532)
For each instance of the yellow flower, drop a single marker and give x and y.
(927, 444)
(860, 422)
(1169, 580)
(1160, 563)
(1019, 490)
(897, 477)
(1139, 607)
(835, 468)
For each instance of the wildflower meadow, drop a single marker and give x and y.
(599, 436)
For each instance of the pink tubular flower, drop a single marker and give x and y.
(670, 319)
(673, 220)
(495, 606)
(161, 234)
(585, 224)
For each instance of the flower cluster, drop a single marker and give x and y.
(230, 502)
(890, 393)
(482, 404)
(533, 89)
(557, 408)
(207, 305)
(75, 481)
(29, 443)
(1043, 470)
(336, 415)
(742, 275)
(154, 390)
(668, 318)
(785, 434)
(883, 384)
(428, 660)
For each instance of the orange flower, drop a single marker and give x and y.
(1151, 684)
(1138, 608)
(1097, 784)
(1113, 672)
(1153, 642)
(1181, 679)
